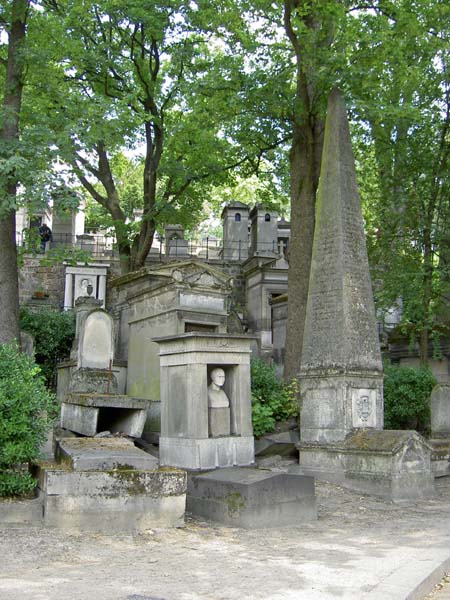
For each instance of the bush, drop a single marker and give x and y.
(407, 398)
(53, 334)
(272, 400)
(27, 411)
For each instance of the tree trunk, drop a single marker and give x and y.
(9, 287)
(9, 133)
(305, 157)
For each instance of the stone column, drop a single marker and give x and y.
(68, 292)
(102, 289)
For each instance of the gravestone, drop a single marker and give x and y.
(341, 378)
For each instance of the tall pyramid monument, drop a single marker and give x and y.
(341, 376)
(341, 371)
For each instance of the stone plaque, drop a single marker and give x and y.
(201, 301)
(320, 408)
(364, 407)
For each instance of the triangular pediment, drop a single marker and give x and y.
(193, 274)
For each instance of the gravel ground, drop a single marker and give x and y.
(321, 560)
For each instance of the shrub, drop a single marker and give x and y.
(27, 411)
(53, 334)
(272, 399)
(407, 398)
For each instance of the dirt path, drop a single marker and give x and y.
(355, 550)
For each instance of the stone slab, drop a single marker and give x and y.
(252, 498)
(89, 414)
(206, 453)
(96, 454)
(81, 419)
(107, 401)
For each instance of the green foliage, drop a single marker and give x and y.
(272, 399)
(53, 334)
(407, 398)
(27, 411)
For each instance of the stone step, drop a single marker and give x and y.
(97, 454)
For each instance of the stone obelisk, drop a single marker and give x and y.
(341, 377)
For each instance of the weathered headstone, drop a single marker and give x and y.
(341, 377)
(440, 411)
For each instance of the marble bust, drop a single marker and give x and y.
(217, 398)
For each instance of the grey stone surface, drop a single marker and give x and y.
(264, 232)
(81, 419)
(440, 411)
(251, 498)
(206, 453)
(14, 512)
(168, 300)
(92, 381)
(96, 346)
(440, 456)
(96, 454)
(219, 421)
(107, 401)
(391, 464)
(89, 414)
(341, 370)
(116, 501)
(235, 231)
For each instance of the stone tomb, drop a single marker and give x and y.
(252, 498)
(91, 404)
(167, 300)
(190, 437)
(392, 464)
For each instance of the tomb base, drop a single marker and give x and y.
(391, 464)
(206, 453)
(120, 500)
(252, 498)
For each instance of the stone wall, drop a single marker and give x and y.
(35, 278)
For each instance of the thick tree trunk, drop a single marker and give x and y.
(304, 168)
(9, 288)
(9, 134)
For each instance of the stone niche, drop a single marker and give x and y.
(187, 439)
(79, 281)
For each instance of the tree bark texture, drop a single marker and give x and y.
(9, 134)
